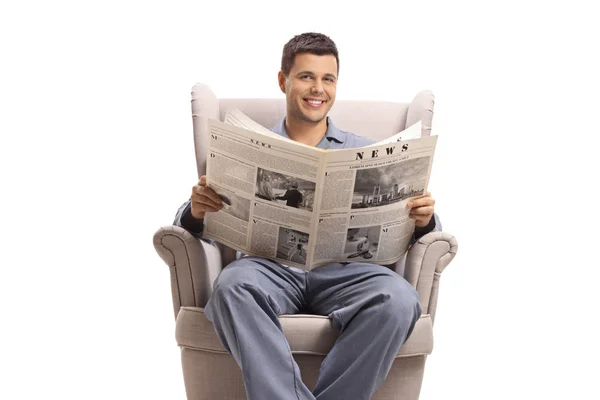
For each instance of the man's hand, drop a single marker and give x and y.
(204, 199)
(421, 209)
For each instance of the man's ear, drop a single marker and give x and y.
(281, 79)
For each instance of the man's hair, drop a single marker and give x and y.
(310, 42)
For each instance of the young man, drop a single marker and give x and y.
(374, 308)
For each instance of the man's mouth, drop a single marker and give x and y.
(314, 103)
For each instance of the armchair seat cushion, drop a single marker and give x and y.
(306, 334)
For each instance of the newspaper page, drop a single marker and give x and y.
(306, 207)
(237, 118)
(268, 186)
(412, 132)
(362, 214)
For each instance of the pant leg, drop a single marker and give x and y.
(249, 295)
(375, 310)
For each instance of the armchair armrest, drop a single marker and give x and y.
(425, 262)
(194, 264)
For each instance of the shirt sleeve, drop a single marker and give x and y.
(185, 220)
(434, 225)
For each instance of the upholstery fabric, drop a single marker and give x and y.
(306, 334)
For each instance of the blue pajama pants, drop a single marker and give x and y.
(374, 308)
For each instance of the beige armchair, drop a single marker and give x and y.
(210, 373)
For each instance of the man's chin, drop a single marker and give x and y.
(307, 116)
(315, 119)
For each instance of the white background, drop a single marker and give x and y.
(97, 154)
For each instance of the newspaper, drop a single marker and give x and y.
(306, 207)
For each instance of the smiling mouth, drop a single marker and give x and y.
(314, 103)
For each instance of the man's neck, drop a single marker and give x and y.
(305, 132)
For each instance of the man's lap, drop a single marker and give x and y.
(319, 291)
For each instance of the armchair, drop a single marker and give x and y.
(209, 372)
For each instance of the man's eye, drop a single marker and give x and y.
(305, 77)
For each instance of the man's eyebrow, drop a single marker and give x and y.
(312, 73)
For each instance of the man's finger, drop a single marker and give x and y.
(207, 201)
(206, 209)
(422, 211)
(418, 217)
(428, 194)
(204, 191)
(420, 202)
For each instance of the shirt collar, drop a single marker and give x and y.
(333, 132)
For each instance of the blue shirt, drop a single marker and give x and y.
(334, 138)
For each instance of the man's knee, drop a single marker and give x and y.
(247, 270)
(402, 305)
(230, 290)
(245, 282)
(238, 275)
(242, 288)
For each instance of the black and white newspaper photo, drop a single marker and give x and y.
(362, 243)
(388, 184)
(285, 189)
(292, 245)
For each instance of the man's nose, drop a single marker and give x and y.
(318, 86)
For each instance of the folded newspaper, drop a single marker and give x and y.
(306, 207)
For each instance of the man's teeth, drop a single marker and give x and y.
(315, 102)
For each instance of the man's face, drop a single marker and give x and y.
(310, 87)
